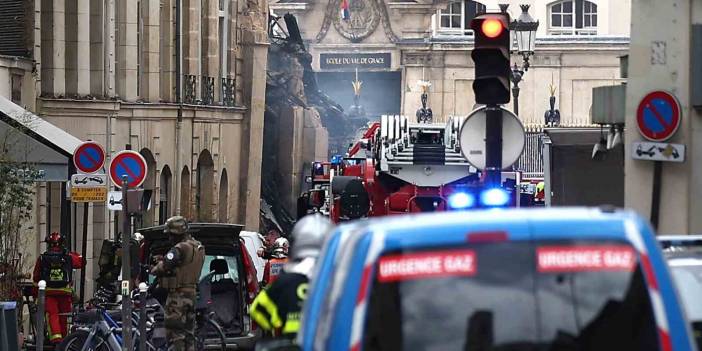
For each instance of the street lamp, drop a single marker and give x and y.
(524, 29)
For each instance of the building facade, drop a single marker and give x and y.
(395, 44)
(180, 81)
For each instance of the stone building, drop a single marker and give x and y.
(394, 44)
(180, 81)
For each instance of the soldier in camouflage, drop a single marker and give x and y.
(178, 272)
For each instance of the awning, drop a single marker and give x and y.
(30, 139)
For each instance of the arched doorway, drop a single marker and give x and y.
(164, 208)
(205, 187)
(224, 197)
(148, 217)
(185, 193)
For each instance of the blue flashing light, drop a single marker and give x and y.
(336, 159)
(494, 197)
(461, 200)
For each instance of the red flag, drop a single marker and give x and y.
(345, 14)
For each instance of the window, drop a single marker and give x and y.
(602, 305)
(455, 19)
(573, 17)
(452, 17)
(232, 267)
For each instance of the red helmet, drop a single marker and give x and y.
(55, 239)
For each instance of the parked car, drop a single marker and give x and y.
(232, 293)
(547, 279)
(680, 242)
(253, 244)
(684, 254)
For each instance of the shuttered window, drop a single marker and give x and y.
(14, 29)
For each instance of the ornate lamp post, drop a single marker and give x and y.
(524, 29)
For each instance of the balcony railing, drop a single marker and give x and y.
(228, 95)
(208, 90)
(190, 89)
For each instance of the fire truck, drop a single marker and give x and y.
(396, 167)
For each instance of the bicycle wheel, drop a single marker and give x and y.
(210, 335)
(76, 340)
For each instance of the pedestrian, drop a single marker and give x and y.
(278, 307)
(178, 272)
(279, 257)
(55, 267)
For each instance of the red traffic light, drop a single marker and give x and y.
(492, 27)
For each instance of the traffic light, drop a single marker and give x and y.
(491, 57)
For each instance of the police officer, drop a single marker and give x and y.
(278, 307)
(55, 267)
(178, 273)
(274, 266)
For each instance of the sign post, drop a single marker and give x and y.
(126, 270)
(88, 157)
(658, 118)
(127, 170)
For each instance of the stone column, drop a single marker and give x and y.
(53, 43)
(127, 50)
(191, 32)
(97, 50)
(78, 47)
(110, 58)
(210, 40)
(660, 60)
(166, 51)
(253, 71)
(233, 42)
(150, 47)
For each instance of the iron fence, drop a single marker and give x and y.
(531, 162)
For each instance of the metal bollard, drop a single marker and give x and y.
(40, 315)
(142, 316)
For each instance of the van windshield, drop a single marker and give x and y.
(511, 296)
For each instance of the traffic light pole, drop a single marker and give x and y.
(493, 146)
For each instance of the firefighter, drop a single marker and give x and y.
(278, 307)
(279, 257)
(55, 267)
(178, 272)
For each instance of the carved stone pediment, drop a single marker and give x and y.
(363, 21)
(365, 15)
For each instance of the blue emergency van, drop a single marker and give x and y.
(502, 279)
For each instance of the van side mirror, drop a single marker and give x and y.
(277, 345)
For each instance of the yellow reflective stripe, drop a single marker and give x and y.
(48, 325)
(68, 290)
(270, 307)
(291, 327)
(259, 317)
(55, 336)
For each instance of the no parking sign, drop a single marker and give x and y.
(131, 164)
(658, 116)
(89, 157)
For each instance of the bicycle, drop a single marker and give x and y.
(98, 329)
(105, 332)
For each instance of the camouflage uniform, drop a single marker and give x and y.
(179, 271)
